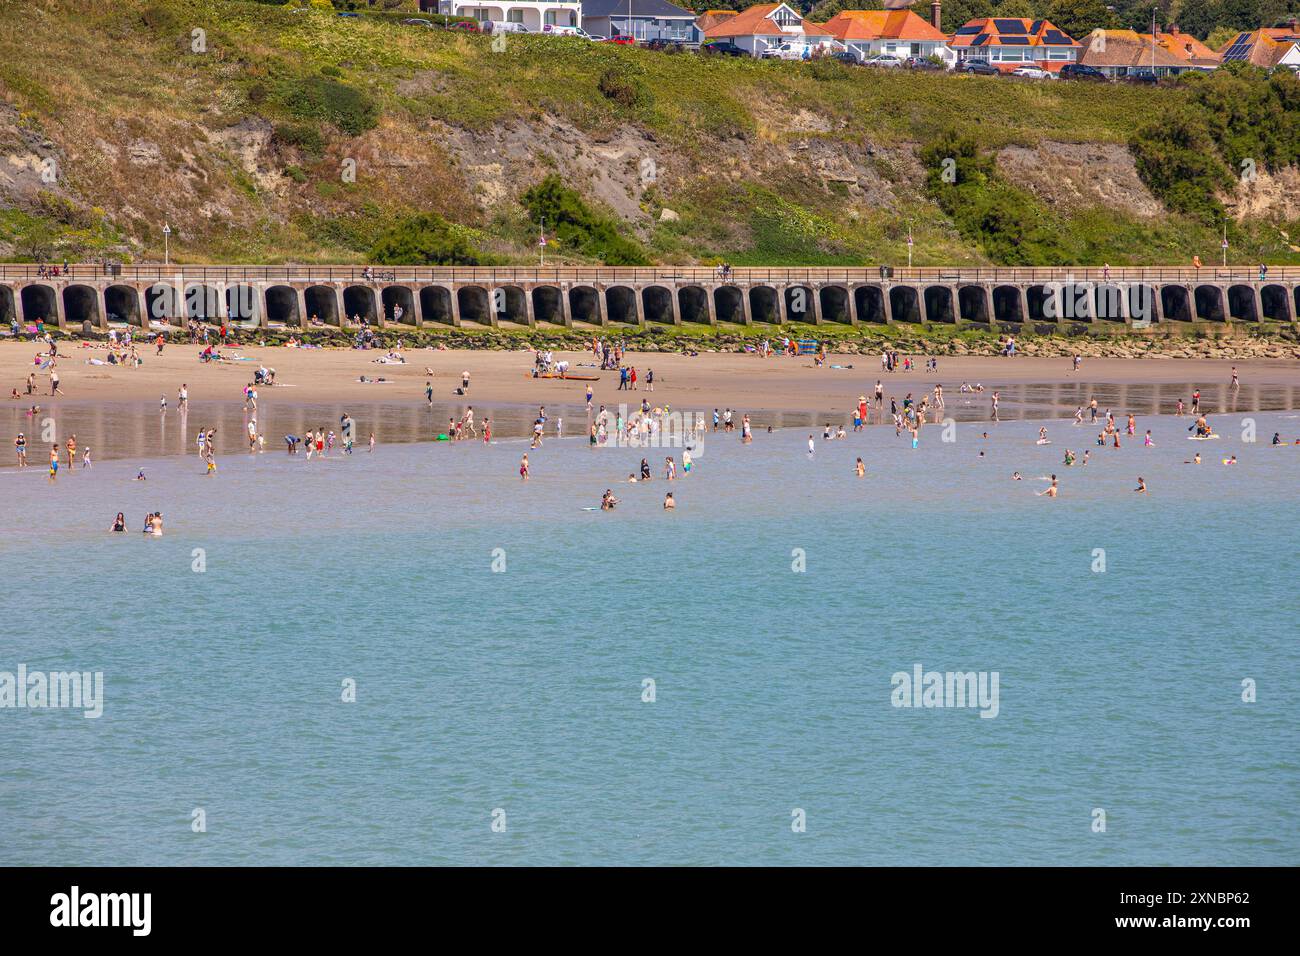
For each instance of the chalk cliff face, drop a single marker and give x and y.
(260, 133)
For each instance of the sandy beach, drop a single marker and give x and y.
(497, 377)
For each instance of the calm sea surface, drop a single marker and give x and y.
(521, 690)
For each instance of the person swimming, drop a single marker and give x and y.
(1142, 486)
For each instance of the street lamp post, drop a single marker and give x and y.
(167, 235)
(909, 243)
(1224, 244)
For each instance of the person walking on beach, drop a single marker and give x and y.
(1196, 402)
(1236, 382)
(428, 393)
(880, 394)
(523, 468)
(54, 383)
(464, 382)
(20, 448)
(995, 405)
(372, 443)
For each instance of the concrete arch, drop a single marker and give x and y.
(657, 304)
(620, 305)
(359, 300)
(834, 302)
(510, 304)
(1241, 303)
(1038, 302)
(584, 304)
(322, 302)
(80, 304)
(763, 304)
(475, 304)
(693, 303)
(241, 304)
(281, 306)
(204, 303)
(729, 303)
(1075, 303)
(1276, 303)
(905, 303)
(435, 304)
(1209, 303)
(8, 306)
(870, 303)
(939, 304)
(1175, 303)
(162, 303)
(1296, 311)
(1141, 303)
(394, 295)
(39, 303)
(973, 303)
(122, 305)
(1108, 303)
(799, 303)
(548, 304)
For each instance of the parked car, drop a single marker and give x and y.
(417, 22)
(468, 26)
(921, 63)
(350, 16)
(1080, 71)
(723, 48)
(622, 39)
(788, 51)
(883, 59)
(578, 32)
(1141, 76)
(980, 68)
(667, 44)
(844, 56)
(502, 26)
(1032, 72)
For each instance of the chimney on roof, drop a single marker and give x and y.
(936, 14)
(1292, 24)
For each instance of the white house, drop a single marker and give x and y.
(768, 25)
(899, 33)
(534, 16)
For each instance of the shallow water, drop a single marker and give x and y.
(140, 430)
(522, 690)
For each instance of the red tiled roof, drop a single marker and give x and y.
(754, 21)
(881, 25)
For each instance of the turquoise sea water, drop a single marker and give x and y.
(522, 690)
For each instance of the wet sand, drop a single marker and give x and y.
(745, 382)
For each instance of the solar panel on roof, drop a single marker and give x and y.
(1240, 49)
(1035, 26)
(1056, 36)
(1013, 41)
(981, 40)
(968, 31)
(1009, 26)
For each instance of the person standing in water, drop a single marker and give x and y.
(523, 468)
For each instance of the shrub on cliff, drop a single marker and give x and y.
(576, 226)
(425, 240)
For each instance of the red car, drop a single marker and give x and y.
(622, 39)
(468, 27)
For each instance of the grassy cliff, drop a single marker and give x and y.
(263, 133)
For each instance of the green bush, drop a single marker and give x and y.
(425, 240)
(327, 100)
(303, 136)
(624, 88)
(1177, 159)
(1008, 224)
(576, 226)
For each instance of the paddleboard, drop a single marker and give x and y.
(1043, 441)
(1201, 437)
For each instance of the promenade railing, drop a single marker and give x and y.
(640, 275)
